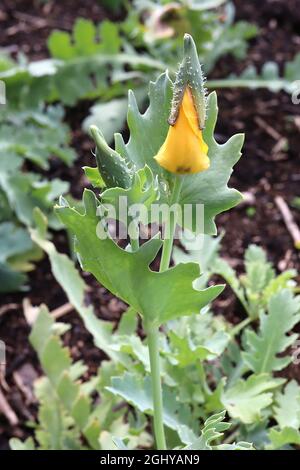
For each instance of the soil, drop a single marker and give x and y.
(269, 167)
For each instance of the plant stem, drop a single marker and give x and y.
(134, 237)
(152, 329)
(153, 337)
(202, 377)
(134, 243)
(170, 226)
(240, 326)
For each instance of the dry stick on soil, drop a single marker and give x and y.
(7, 307)
(3, 382)
(8, 411)
(23, 387)
(31, 312)
(289, 220)
(62, 310)
(267, 128)
(281, 142)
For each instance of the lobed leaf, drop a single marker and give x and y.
(16, 256)
(57, 365)
(287, 408)
(213, 429)
(269, 78)
(262, 348)
(158, 297)
(67, 276)
(137, 391)
(283, 437)
(246, 399)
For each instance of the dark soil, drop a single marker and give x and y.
(269, 167)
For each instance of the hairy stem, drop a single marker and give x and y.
(153, 330)
(134, 243)
(134, 237)
(153, 337)
(170, 226)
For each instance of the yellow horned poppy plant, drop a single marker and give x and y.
(184, 150)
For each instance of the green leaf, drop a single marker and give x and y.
(81, 410)
(230, 39)
(143, 192)
(63, 377)
(282, 437)
(16, 444)
(186, 352)
(83, 40)
(262, 348)
(112, 167)
(5, 61)
(148, 130)
(255, 288)
(84, 34)
(108, 117)
(202, 250)
(36, 135)
(16, 254)
(287, 409)
(119, 443)
(246, 399)
(60, 45)
(232, 363)
(227, 37)
(10, 280)
(68, 277)
(158, 297)
(235, 446)
(133, 345)
(120, 432)
(128, 322)
(54, 359)
(71, 79)
(94, 176)
(212, 430)
(25, 191)
(50, 433)
(283, 281)
(14, 241)
(111, 41)
(269, 78)
(222, 268)
(259, 271)
(136, 390)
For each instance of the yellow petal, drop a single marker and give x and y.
(184, 150)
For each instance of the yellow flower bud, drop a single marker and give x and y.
(184, 150)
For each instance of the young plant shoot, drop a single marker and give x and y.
(171, 160)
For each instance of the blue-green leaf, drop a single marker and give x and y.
(158, 297)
